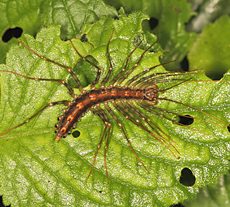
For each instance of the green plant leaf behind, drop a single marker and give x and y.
(23, 14)
(30, 16)
(72, 15)
(170, 17)
(210, 52)
(36, 171)
(214, 195)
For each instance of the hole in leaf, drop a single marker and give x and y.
(153, 23)
(184, 64)
(177, 205)
(187, 178)
(84, 38)
(186, 120)
(76, 134)
(100, 191)
(228, 128)
(2, 204)
(10, 33)
(216, 74)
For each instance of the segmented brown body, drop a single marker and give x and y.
(83, 103)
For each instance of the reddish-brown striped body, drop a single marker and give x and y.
(83, 103)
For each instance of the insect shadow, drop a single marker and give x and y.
(115, 95)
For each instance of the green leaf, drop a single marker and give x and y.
(213, 195)
(22, 14)
(31, 15)
(172, 16)
(36, 171)
(72, 15)
(210, 52)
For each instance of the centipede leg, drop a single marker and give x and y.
(99, 69)
(158, 78)
(124, 132)
(60, 81)
(160, 112)
(107, 130)
(145, 71)
(51, 104)
(142, 121)
(124, 68)
(67, 68)
(129, 71)
(105, 79)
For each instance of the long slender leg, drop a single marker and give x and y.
(106, 148)
(60, 81)
(159, 77)
(104, 136)
(105, 79)
(124, 68)
(140, 120)
(213, 118)
(51, 104)
(129, 71)
(67, 68)
(161, 112)
(124, 132)
(139, 75)
(99, 69)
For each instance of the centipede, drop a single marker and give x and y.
(127, 91)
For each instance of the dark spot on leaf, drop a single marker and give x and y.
(2, 204)
(228, 128)
(153, 22)
(10, 33)
(76, 134)
(100, 191)
(184, 64)
(216, 74)
(187, 178)
(84, 38)
(177, 205)
(186, 120)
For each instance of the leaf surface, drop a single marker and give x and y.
(210, 52)
(37, 171)
(213, 195)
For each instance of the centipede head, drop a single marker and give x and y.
(151, 93)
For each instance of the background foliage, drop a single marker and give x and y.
(38, 171)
